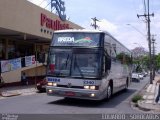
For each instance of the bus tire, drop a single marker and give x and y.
(109, 91)
(126, 85)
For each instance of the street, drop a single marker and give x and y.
(40, 103)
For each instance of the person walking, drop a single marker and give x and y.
(1, 84)
(24, 80)
(1, 79)
(158, 94)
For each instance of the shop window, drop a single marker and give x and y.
(11, 50)
(24, 49)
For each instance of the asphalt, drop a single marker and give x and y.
(148, 103)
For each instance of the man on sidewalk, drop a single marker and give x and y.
(24, 79)
(158, 94)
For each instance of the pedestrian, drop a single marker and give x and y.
(0, 84)
(24, 80)
(1, 80)
(158, 94)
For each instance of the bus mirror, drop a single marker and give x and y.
(51, 67)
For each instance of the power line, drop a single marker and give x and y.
(41, 3)
(47, 5)
(144, 6)
(137, 30)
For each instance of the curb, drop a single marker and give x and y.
(9, 94)
(142, 106)
(133, 105)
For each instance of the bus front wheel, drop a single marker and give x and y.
(109, 92)
(126, 85)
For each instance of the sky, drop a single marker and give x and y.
(118, 17)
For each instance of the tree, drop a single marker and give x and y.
(157, 59)
(140, 59)
(124, 58)
(138, 52)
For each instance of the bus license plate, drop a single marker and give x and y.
(70, 93)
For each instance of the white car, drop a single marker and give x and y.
(135, 77)
(141, 76)
(145, 74)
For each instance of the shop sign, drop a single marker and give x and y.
(9, 65)
(53, 24)
(29, 60)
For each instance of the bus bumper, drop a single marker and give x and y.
(74, 93)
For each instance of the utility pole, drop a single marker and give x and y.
(147, 17)
(153, 42)
(95, 21)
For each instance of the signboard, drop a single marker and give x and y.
(76, 39)
(9, 65)
(29, 60)
(53, 24)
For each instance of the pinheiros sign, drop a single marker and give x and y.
(53, 24)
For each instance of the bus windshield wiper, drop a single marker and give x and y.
(63, 66)
(67, 60)
(79, 68)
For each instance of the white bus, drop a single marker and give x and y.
(87, 64)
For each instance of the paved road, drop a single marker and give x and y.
(40, 103)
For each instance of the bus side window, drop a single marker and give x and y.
(107, 63)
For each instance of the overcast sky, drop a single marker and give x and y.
(114, 15)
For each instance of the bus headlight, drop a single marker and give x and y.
(54, 84)
(92, 95)
(86, 87)
(49, 83)
(50, 91)
(92, 87)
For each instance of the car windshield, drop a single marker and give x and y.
(65, 62)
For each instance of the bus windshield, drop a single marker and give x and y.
(67, 62)
(59, 62)
(85, 65)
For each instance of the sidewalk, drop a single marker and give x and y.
(148, 102)
(17, 90)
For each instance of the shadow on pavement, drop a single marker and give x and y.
(111, 103)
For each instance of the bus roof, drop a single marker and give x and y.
(89, 31)
(79, 30)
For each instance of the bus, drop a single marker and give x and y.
(87, 64)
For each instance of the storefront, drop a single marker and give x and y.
(25, 30)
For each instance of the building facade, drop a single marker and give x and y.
(25, 31)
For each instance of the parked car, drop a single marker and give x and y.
(141, 76)
(144, 74)
(41, 86)
(135, 77)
